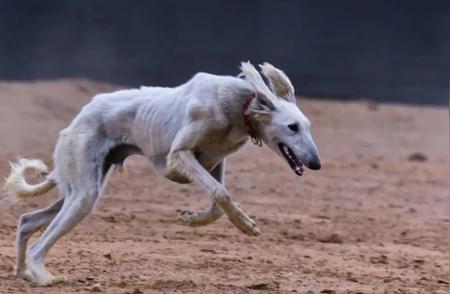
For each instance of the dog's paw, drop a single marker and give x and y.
(55, 281)
(25, 275)
(243, 222)
(187, 218)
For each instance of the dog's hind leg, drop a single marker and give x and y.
(29, 224)
(76, 206)
(213, 213)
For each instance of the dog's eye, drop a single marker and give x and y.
(293, 127)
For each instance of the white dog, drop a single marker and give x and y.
(186, 132)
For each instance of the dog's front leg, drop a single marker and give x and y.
(213, 212)
(184, 162)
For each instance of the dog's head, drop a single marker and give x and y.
(277, 119)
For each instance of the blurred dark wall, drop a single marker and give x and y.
(385, 50)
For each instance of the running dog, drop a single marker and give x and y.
(186, 132)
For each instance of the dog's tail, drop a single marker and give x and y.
(17, 185)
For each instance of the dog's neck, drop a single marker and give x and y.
(237, 100)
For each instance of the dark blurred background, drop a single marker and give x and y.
(383, 50)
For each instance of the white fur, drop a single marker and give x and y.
(186, 132)
(279, 82)
(16, 184)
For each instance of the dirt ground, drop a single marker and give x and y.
(373, 220)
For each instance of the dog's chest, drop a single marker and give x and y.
(211, 154)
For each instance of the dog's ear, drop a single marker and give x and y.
(249, 73)
(278, 81)
(263, 105)
(262, 108)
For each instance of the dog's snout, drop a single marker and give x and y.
(314, 162)
(314, 165)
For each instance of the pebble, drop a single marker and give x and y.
(97, 287)
(417, 156)
(333, 238)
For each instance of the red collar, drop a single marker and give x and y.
(256, 139)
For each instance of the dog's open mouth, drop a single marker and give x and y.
(295, 164)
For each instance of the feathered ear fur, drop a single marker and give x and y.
(249, 72)
(262, 109)
(263, 105)
(279, 82)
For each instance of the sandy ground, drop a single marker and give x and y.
(372, 220)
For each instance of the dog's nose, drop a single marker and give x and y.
(314, 164)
